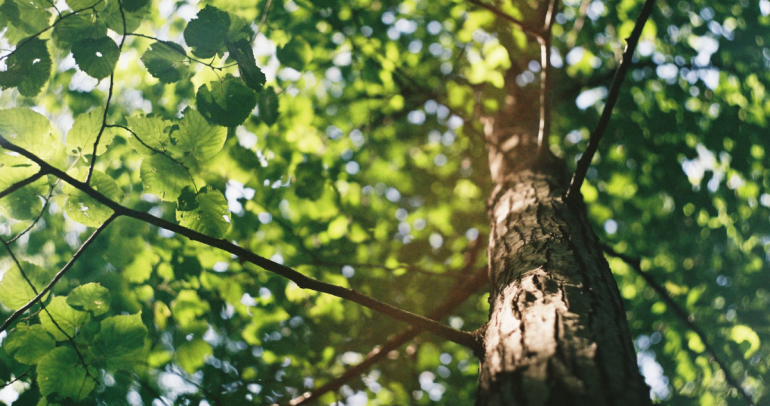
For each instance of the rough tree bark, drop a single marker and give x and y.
(557, 331)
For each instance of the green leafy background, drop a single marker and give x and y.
(342, 140)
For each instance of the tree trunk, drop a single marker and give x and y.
(557, 331)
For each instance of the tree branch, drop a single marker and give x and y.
(58, 20)
(133, 34)
(460, 337)
(461, 292)
(58, 276)
(109, 97)
(545, 85)
(681, 314)
(502, 14)
(18, 185)
(53, 320)
(593, 143)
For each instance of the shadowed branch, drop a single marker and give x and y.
(680, 313)
(593, 143)
(457, 336)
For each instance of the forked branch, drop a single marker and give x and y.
(682, 315)
(460, 337)
(593, 143)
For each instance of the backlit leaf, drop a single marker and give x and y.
(28, 344)
(197, 135)
(208, 216)
(163, 177)
(60, 319)
(62, 373)
(166, 61)
(228, 103)
(84, 132)
(15, 291)
(90, 297)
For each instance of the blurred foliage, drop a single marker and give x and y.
(341, 139)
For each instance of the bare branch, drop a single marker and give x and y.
(262, 22)
(109, 97)
(545, 86)
(58, 20)
(461, 292)
(593, 143)
(460, 337)
(58, 276)
(53, 320)
(682, 315)
(17, 378)
(18, 185)
(502, 14)
(133, 34)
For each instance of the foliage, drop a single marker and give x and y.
(341, 139)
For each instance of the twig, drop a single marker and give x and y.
(262, 22)
(502, 14)
(53, 320)
(56, 278)
(461, 292)
(209, 64)
(593, 143)
(140, 140)
(17, 378)
(109, 97)
(18, 185)
(457, 336)
(681, 314)
(58, 20)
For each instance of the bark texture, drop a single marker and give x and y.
(557, 332)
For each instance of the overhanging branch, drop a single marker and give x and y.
(593, 143)
(18, 185)
(681, 314)
(460, 337)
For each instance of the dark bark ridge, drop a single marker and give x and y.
(557, 332)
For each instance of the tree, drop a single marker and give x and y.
(346, 149)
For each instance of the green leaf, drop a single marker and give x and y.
(81, 4)
(208, 217)
(120, 340)
(28, 68)
(268, 106)
(251, 75)
(166, 62)
(228, 103)
(83, 208)
(187, 199)
(26, 16)
(76, 28)
(24, 203)
(65, 317)
(151, 132)
(134, 5)
(207, 32)
(164, 177)
(28, 344)
(197, 135)
(96, 57)
(62, 373)
(296, 54)
(15, 291)
(90, 297)
(310, 179)
(29, 130)
(82, 136)
(192, 354)
(114, 19)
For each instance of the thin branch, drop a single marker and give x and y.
(461, 292)
(134, 34)
(58, 20)
(140, 140)
(545, 86)
(502, 14)
(53, 320)
(682, 315)
(109, 97)
(460, 337)
(18, 185)
(17, 378)
(593, 143)
(262, 22)
(57, 277)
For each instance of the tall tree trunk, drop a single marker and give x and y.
(557, 331)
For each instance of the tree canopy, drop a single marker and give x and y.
(235, 203)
